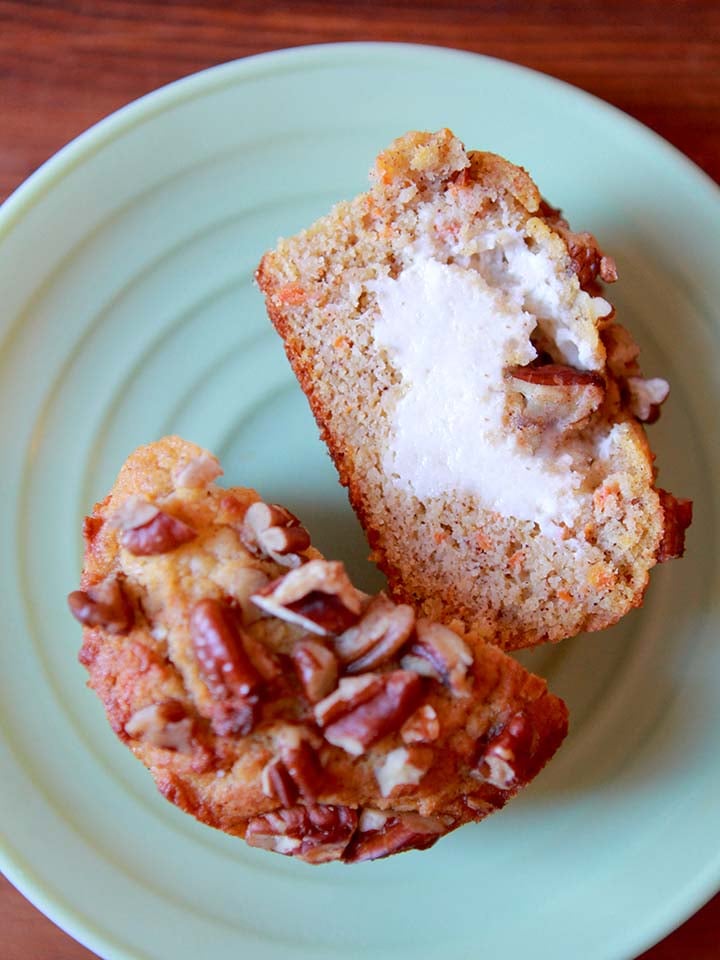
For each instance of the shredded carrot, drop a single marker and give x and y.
(564, 596)
(483, 542)
(292, 294)
(516, 559)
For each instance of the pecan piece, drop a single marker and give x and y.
(400, 768)
(400, 832)
(587, 259)
(161, 534)
(555, 394)
(381, 714)
(316, 833)
(164, 725)
(383, 629)
(296, 772)
(350, 693)
(316, 667)
(104, 604)
(504, 761)
(422, 727)
(224, 666)
(317, 596)
(198, 472)
(269, 530)
(438, 651)
(677, 518)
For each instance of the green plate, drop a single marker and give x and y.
(129, 311)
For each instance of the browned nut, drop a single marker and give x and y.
(198, 472)
(224, 666)
(678, 517)
(384, 713)
(104, 604)
(504, 760)
(555, 394)
(316, 833)
(404, 831)
(383, 629)
(422, 726)
(161, 534)
(269, 530)
(316, 667)
(317, 596)
(402, 767)
(350, 693)
(165, 725)
(440, 652)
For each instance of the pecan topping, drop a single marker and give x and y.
(317, 596)
(383, 713)
(160, 534)
(399, 832)
(422, 727)
(269, 530)
(384, 628)
(446, 656)
(351, 692)
(400, 769)
(199, 472)
(588, 260)
(315, 833)
(104, 604)
(296, 772)
(505, 760)
(225, 667)
(316, 667)
(556, 394)
(678, 517)
(646, 396)
(164, 725)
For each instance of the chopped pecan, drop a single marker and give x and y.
(315, 833)
(147, 537)
(316, 667)
(646, 397)
(556, 394)
(269, 530)
(588, 261)
(400, 768)
(296, 772)
(383, 713)
(677, 518)
(350, 693)
(505, 759)
(399, 832)
(422, 726)
(164, 725)
(225, 667)
(383, 629)
(317, 596)
(198, 472)
(104, 604)
(447, 656)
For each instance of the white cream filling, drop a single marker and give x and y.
(451, 332)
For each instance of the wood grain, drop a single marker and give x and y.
(65, 65)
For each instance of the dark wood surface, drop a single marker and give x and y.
(63, 66)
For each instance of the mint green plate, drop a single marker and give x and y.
(129, 311)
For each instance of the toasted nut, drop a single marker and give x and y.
(587, 260)
(351, 692)
(269, 530)
(405, 831)
(384, 713)
(316, 667)
(384, 628)
(422, 727)
(277, 783)
(133, 512)
(400, 769)
(646, 396)
(316, 833)
(224, 666)
(165, 725)
(555, 394)
(104, 604)
(160, 535)
(317, 596)
(678, 517)
(199, 472)
(504, 759)
(447, 654)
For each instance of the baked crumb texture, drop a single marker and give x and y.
(270, 698)
(478, 398)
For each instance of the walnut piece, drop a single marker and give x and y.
(269, 530)
(165, 725)
(316, 667)
(104, 605)
(318, 596)
(383, 629)
(438, 651)
(316, 833)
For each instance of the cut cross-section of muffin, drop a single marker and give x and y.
(477, 396)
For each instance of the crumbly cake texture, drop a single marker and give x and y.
(270, 698)
(478, 398)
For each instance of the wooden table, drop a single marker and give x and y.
(64, 65)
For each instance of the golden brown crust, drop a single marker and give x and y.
(263, 729)
(451, 557)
